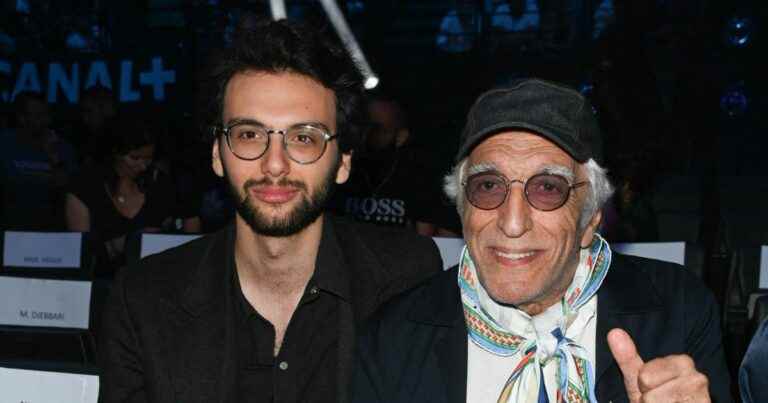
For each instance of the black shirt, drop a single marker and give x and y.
(305, 368)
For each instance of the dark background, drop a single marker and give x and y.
(677, 85)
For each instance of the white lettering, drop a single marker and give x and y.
(369, 206)
(398, 207)
(384, 208)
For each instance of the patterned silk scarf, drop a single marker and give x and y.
(575, 373)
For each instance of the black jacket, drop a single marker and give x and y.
(415, 348)
(168, 327)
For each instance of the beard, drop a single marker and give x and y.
(307, 211)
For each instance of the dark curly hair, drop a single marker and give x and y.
(297, 47)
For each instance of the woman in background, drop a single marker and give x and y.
(127, 194)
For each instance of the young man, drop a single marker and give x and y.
(265, 310)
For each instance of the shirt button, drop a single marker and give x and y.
(283, 365)
(313, 290)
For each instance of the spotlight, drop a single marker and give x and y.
(348, 38)
(277, 7)
(738, 31)
(371, 82)
(734, 102)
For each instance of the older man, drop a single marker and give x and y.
(539, 309)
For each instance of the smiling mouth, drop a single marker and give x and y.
(514, 256)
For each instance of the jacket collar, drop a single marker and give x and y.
(440, 306)
(207, 282)
(625, 300)
(217, 264)
(626, 296)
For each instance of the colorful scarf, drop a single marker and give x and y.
(575, 373)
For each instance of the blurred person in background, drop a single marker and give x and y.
(125, 195)
(36, 165)
(97, 107)
(392, 183)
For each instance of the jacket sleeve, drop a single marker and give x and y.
(753, 374)
(122, 379)
(704, 340)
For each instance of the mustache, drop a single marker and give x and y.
(283, 182)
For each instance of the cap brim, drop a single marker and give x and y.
(551, 134)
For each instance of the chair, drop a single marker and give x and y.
(45, 281)
(59, 384)
(141, 245)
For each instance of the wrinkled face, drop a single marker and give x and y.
(526, 257)
(277, 196)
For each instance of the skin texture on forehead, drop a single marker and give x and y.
(546, 169)
(525, 257)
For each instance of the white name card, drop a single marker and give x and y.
(42, 249)
(763, 279)
(28, 386)
(450, 250)
(45, 303)
(156, 243)
(667, 251)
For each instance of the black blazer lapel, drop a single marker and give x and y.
(626, 300)
(451, 353)
(200, 338)
(442, 308)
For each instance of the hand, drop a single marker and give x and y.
(673, 378)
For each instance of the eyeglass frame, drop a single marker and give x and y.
(225, 130)
(508, 183)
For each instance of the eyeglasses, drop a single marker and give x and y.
(544, 191)
(304, 143)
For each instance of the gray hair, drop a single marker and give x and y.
(600, 188)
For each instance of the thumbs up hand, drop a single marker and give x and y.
(673, 378)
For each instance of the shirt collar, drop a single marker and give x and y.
(330, 267)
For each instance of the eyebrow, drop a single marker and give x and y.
(559, 170)
(481, 168)
(255, 122)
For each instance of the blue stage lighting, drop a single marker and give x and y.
(734, 102)
(738, 31)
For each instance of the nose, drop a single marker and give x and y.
(514, 215)
(275, 161)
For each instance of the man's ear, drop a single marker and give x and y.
(345, 167)
(589, 231)
(218, 166)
